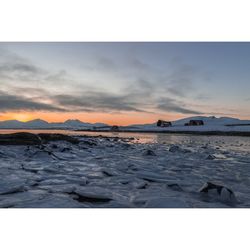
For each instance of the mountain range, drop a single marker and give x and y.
(41, 124)
(77, 124)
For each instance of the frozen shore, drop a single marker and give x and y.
(174, 131)
(124, 173)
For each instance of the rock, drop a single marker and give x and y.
(21, 138)
(149, 152)
(54, 146)
(174, 149)
(46, 137)
(210, 157)
(88, 143)
(218, 191)
(24, 138)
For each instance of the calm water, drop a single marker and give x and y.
(235, 143)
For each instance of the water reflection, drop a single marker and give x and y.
(233, 143)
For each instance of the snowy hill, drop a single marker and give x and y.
(211, 123)
(210, 120)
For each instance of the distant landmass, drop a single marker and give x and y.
(210, 123)
(41, 124)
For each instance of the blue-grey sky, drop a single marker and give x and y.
(124, 82)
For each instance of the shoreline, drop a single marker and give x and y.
(184, 132)
(215, 133)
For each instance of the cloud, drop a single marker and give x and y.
(14, 67)
(97, 101)
(19, 67)
(202, 97)
(133, 86)
(180, 79)
(16, 103)
(171, 105)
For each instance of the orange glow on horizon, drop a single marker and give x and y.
(108, 118)
(23, 117)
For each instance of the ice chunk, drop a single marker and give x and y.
(220, 192)
(93, 194)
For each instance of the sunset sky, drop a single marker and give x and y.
(123, 83)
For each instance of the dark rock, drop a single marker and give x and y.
(174, 149)
(89, 143)
(46, 137)
(107, 173)
(210, 157)
(21, 138)
(149, 152)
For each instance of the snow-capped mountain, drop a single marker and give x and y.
(11, 124)
(37, 123)
(41, 124)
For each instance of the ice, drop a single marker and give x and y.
(93, 194)
(219, 192)
(117, 172)
(7, 187)
(11, 200)
(52, 201)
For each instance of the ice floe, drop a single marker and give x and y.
(117, 172)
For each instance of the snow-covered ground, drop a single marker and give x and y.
(116, 172)
(222, 124)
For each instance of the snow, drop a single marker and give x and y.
(119, 172)
(223, 124)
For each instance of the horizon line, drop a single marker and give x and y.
(114, 123)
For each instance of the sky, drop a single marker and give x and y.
(123, 83)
